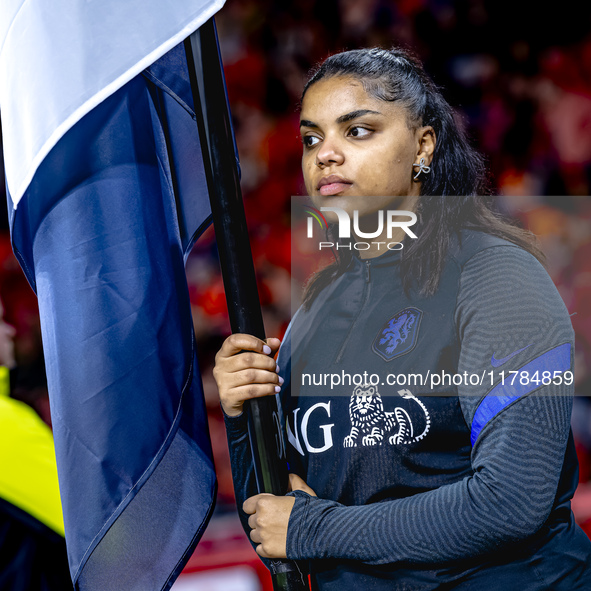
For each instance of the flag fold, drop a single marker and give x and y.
(102, 238)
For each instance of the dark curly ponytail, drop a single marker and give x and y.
(453, 196)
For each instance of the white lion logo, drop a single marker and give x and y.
(372, 423)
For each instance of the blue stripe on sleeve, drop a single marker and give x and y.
(503, 394)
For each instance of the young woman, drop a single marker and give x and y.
(458, 482)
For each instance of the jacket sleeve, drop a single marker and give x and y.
(241, 460)
(241, 463)
(507, 311)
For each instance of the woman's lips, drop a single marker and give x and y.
(334, 188)
(333, 185)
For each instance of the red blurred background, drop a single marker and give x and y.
(523, 92)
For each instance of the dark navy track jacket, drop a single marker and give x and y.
(434, 430)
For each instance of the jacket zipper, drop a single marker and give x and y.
(366, 288)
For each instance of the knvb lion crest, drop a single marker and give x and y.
(399, 335)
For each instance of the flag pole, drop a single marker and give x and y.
(221, 169)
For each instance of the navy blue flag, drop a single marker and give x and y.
(102, 238)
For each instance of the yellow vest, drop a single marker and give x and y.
(28, 472)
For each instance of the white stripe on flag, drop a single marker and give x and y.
(60, 59)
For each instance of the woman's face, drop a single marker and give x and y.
(356, 146)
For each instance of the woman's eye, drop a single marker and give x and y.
(359, 132)
(310, 140)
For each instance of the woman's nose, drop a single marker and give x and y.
(329, 153)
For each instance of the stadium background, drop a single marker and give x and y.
(519, 76)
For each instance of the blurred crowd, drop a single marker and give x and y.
(523, 92)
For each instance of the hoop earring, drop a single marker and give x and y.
(422, 169)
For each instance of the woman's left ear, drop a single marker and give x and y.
(427, 141)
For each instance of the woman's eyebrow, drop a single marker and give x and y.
(343, 118)
(354, 114)
(306, 123)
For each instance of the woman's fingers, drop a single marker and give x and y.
(268, 521)
(237, 396)
(239, 342)
(252, 375)
(297, 483)
(251, 504)
(244, 369)
(274, 344)
(233, 399)
(230, 358)
(249, 360)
